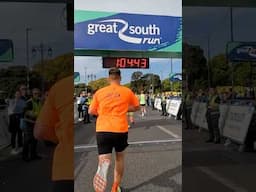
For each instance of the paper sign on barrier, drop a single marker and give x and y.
(201, 116)
(157, 104)
(237, 122)
(194, 110)
(223, 116)
(173, 106)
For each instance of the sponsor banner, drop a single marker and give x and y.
(237, 122)
(173, 106)
(242, 51)
(127, 32)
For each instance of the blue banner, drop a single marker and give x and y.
(242, 52)
(129, 32)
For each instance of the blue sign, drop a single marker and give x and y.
(174, 77)
(242, 52)
(129, 32)
(6, 50)
(76, 77)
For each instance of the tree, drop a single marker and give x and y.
(166, 85)
(99, 83)
(127, 85)
(220, 71)
(136, 75)
(194, 67)
(145, 82)
(55, 69)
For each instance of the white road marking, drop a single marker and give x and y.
(168, 131)
(224, 181)
(77, 147)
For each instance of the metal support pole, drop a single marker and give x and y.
(27, 55)
(209, 62)
(42, 66)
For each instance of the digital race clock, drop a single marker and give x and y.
(125, 62)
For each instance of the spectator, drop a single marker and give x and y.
(15, 111)
(32, 109)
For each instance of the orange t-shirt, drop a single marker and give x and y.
(57, 120)
(111, 104)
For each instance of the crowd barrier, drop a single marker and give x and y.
(172, 105)
(234, 120)
(4, 133)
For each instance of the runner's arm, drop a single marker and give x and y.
(133, 108)
(134, 104)
(93, 109)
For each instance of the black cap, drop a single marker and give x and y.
(114, 71)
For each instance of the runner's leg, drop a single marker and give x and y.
(100, 178)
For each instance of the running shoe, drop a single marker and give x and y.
(100, 178)
(116, 188)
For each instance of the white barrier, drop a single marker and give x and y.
(157, 104)
(224, 108)
(4, 133)
(200, 120)
(234, 120)
(237, 122)
(173, 106)
(194, 110)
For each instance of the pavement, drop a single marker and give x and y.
(215, 167)
(18, 175)
(153, 158)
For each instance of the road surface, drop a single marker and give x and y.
(153, 160)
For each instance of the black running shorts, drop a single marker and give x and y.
(106, 141)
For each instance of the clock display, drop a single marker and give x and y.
(125, 62)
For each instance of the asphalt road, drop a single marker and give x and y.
(215, 167)
(153, 159)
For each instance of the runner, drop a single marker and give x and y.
(142, 98)
(111, 104)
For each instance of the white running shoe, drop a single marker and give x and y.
(100, 178)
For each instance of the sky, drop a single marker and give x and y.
(155, 7)
(93, 65)
(47, 23)
(199, 23)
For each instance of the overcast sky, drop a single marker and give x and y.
(201, 22)
(47, 23)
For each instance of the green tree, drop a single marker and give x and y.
(220, 71)
(55, 69)
(99, 83)
(194, 67)
(166, 85)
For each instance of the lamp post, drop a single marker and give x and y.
(41, 48)
(27, 54)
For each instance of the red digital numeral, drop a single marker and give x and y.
(120, 63)
(130, 62)
(143, 63)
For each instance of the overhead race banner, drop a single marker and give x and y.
(241, 51)
(127, 32)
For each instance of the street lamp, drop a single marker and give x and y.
(27, 54)
(41, 48)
